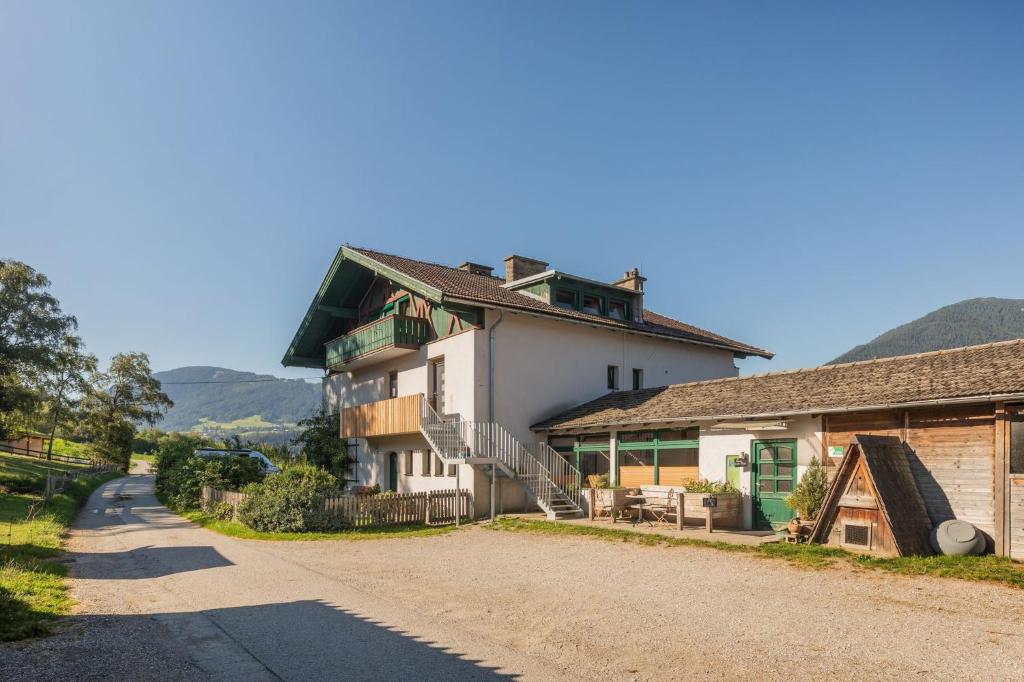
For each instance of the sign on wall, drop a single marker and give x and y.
(836, 450)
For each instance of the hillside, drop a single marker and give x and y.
(967, 323)
(223, 402)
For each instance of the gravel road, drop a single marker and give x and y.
(164, 599)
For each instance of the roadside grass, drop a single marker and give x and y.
(236, 529)
(981, 568)
(18, 466)
(144, 458)
(32, 589)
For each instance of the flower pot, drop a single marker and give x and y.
(794, 526)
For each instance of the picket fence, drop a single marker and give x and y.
(434, 508)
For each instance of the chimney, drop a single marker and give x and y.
(517, 267)
(632, 279)
(476, 269)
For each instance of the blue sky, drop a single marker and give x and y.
(800, 176)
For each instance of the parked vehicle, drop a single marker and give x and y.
(264, 461)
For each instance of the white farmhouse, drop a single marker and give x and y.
(439, 372)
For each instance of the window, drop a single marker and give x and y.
(565, 298)
(636, 437)
(393, 384)
(638, 379)
(613, 378)
(595, 440)
(425, 460)
(618, 310)
(451, 470)
(1017, 443)
(438, 466)
(592, 304)
(407, 464)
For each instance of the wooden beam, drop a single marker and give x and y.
(335, 311)
(1000, 472)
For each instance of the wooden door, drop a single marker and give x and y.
(1015, 485)
(393, 471)
(437, 386)
(773, 478)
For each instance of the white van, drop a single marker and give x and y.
(266, 465)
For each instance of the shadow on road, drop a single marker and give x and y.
(302, 640)
(145, 562)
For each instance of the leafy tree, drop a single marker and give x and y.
(32, 327)
(810, 491)
(322, 444)
(121, 399)
(66, 382)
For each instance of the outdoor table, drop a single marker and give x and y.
(639, 506)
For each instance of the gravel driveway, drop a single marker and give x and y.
(164, 599)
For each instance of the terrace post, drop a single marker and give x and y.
(613, 458)
(679, 510)
(458, 496)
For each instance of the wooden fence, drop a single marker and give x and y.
(56, 482)
(434, 508)
(41, 454)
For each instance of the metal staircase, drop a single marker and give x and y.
(544, 474)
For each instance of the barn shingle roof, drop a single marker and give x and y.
(995, 369)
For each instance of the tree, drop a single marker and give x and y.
(32, 326)
(321, 443)
(810, 491)
(119, 400)
(66, 382)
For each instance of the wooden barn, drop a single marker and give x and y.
(873, 505)
(958, 413)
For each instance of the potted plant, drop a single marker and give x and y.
(728, 510)
(604, 498)
(808, 496)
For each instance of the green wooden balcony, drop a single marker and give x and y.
(379, 340)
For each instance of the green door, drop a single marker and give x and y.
(774, 473)
(393, 471)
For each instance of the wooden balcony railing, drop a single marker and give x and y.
(383, 418)
(393, 331)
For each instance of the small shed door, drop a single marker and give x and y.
(773, 479)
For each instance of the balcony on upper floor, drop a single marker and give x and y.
(376, 341)
(391, 417)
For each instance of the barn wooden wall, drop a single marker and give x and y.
(954, 450)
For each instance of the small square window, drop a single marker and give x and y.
(407, 468)
(638, 379)
(451, 470)
(565, 298)
(425, 462)
(593, 304)
(613, 378)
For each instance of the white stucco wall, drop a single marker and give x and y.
(715, 445)
(544, 366)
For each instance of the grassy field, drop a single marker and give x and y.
(238, 530)
(32, 588)
(987, 568)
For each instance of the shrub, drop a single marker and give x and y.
(710, 487)
(809, 494)
(181, 475)
(291, 501)
(221, 510)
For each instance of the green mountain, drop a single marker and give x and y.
(225, 402)
(967, 323)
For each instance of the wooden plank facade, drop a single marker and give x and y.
(956, 457)
(395, 416)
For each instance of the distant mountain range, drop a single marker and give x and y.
(224, 402)
(967, 323)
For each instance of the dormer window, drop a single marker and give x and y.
(565, 298)
(592, 304)
(618, 310)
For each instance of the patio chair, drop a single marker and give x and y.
(663, 507)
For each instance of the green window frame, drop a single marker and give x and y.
(559, 291)
(658, 441)
(597, 298)
(627, 311)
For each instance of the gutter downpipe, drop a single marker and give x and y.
(490, 401)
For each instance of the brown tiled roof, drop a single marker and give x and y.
(487, 290)
(995, 369)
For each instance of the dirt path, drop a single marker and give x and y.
(480, 604)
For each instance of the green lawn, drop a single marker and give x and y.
(32, 588)
(987, 568)
(238, 530)
(70, 448)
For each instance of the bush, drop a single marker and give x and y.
(710, 487)
(181, 475)
(221, 510)
(291, 501)
(809, 494)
